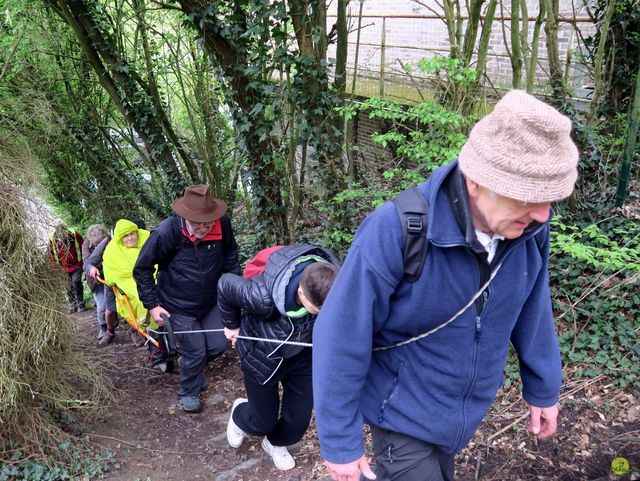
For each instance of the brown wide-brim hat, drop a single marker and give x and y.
(198, 205)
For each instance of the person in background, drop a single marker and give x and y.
(92, 268)
(95, 234)
(192, 249)
(119, 257)
(406, 357)
(280, 304)
(64, 250)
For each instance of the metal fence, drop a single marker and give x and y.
(383, 49)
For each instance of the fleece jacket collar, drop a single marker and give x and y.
(450, 221)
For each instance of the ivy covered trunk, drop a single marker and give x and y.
(322, 131)
(127, 89)
(556, 77)
(630, 146)
(232, 46)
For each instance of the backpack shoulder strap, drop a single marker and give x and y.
(413, 210)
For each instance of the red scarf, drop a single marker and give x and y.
(214, 234)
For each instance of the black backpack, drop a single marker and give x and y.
(413, 210)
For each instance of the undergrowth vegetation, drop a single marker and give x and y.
(595, 278)
(44, 382)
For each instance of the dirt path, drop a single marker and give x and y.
(154, 440)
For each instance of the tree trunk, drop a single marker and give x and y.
(483, 48)
(533, 59)
(598, 86)
(471, 33)
(516, 53)
(555, 67)
(323, 132)
(449, 19)
(125, 88)
(524, 36)
(630, 146)
(246, 103)
(340, 80)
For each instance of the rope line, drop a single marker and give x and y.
(248, 338)
(444, 324)
(379, 348)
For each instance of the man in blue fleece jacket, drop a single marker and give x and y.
(423, 400)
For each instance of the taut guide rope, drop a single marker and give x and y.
(379, 348)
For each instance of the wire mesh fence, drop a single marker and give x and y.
(384, 48)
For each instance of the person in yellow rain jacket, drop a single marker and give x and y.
(119, 257)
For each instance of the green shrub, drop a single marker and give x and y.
(78, 464)
(595, 275)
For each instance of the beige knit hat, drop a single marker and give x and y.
(522, 150)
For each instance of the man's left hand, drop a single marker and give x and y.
(232, 335)
(543, 422)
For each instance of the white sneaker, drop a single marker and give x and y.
(235, 435)
(280, 455)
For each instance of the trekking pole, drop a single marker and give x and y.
(169, 337)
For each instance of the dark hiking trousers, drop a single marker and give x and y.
(403, 458)
(75, 291)
(109, 299)
(259, 416)
(198, 348)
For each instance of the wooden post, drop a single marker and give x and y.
(382, 54)
(355, 62)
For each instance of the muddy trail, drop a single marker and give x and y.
(152, 439)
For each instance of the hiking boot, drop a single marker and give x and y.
(81, 308)
(102, 332)
(160, 366)
(235, 435)
(191, 404)
(106, 339)
(280, 455)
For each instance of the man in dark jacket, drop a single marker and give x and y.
(421, 362)
(279, 304)
(192, 249)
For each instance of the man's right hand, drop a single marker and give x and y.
(350, 471)
(94, 272)
(155, 313)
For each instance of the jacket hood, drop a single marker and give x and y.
(123, 228)
(281, 265)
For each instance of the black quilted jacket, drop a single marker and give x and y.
(257, 306)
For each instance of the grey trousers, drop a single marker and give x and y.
(403, 458)
(197, 349)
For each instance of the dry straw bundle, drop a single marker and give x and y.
(43, 377)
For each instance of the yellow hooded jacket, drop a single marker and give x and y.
(118, 261)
